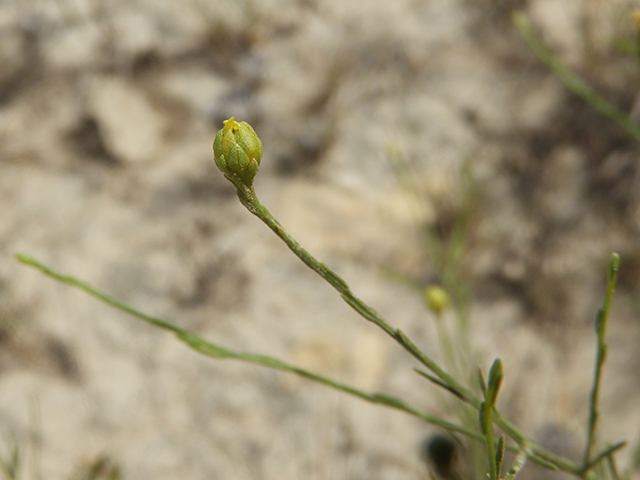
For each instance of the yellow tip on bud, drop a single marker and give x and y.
(231, 124)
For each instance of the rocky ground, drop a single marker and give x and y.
(380, 121)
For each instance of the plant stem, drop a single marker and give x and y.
(448, 350)
(613, 469)
(601, 352)
(216, 351)
(250, 200)
(487, 427)
(76, 282)
(606, 453)
(209, 349)
(537, 453)
(494, 382)
(570, 79)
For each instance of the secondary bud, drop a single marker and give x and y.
(437, 299)
(237, 151)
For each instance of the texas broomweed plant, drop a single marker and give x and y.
(237, 151)
(436, 298)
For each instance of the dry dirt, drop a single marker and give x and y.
(107, 115)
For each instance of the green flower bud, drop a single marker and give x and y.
(237, 151)
(437, 298)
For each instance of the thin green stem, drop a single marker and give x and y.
(613, 469)
(75, 282)
(209, 349)
(446, 344)
(438, 382)
(216, 351)
(606, 453)
(250, 200)
(487, 427)
(486, 408)
(537, 453)
(570, 79)
(601, 352)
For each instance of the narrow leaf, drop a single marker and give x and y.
(500, 454)
(495, 380)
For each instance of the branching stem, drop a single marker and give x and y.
(209, 349)
(525, 445)
(204, 347)
(537, 453)
(601, 353)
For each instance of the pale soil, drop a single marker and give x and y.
(107, 115)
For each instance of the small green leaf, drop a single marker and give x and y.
(439, 382)
(500, 454)
(483, 384)
(483, 423)
(495, 380)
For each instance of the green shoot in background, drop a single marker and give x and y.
(571, 80)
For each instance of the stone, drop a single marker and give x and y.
(132, 128)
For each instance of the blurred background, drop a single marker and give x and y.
(407, 143)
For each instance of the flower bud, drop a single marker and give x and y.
(237, 151)
(437, 299)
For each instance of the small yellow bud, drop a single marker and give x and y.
(437, 298)
(237, 151)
